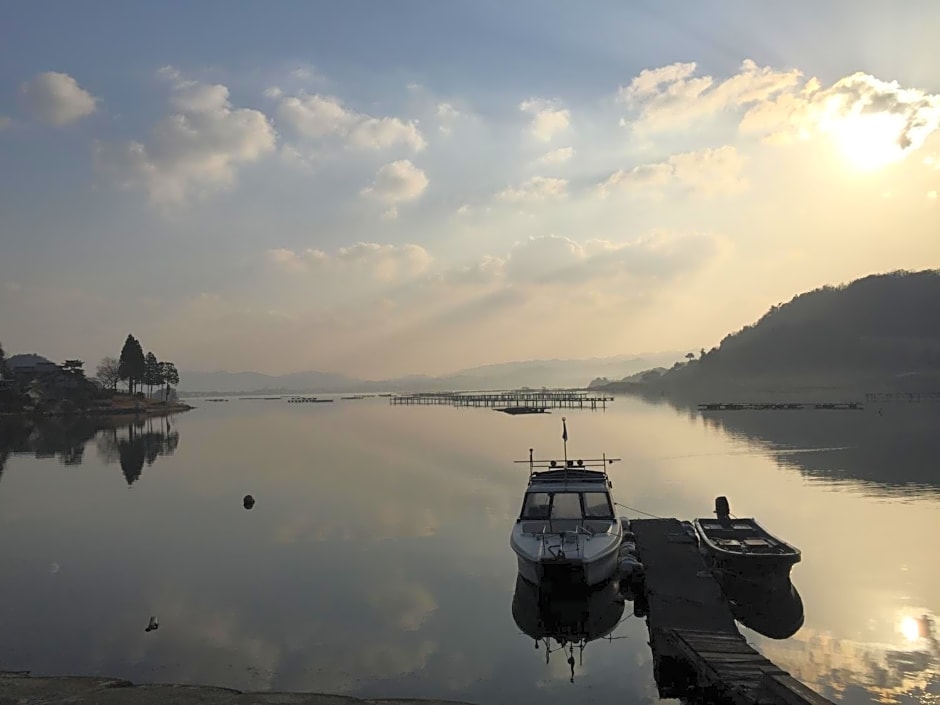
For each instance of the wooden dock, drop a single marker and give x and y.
(542, 399)
(698, 651)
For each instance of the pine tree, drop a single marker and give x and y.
(124, 364)
(151, 372)
(132, 365)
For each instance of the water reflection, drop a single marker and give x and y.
(567, 618)
(888, 449)
(131, 443)
(775, 611)
(905, 667)
(374, 562)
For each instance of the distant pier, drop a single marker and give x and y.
(903, 396)
(783, 406)
(520, 399)
(697, 649)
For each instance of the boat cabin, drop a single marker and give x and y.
(556, 501)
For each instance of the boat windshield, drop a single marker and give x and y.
(567, 505)
(597, 506)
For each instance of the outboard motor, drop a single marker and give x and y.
(723, 510)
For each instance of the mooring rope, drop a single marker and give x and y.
(638, 511)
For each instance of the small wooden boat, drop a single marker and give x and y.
(743, 549)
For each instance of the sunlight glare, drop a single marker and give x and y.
(868, 140)
(910, 628)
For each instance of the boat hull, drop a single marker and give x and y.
(740, 565)
(762, 569)
(571, 572)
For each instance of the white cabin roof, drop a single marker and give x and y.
(573, 486)
(570, 480)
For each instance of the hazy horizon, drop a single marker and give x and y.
(387, 190)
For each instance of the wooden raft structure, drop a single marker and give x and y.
(697, 648)
(537, 399)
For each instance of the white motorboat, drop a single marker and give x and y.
(567, 530)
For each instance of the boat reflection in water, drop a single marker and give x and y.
(773, 610)
(566, 617)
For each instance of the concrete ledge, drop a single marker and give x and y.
(20, 688)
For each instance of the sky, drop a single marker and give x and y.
(380, 189)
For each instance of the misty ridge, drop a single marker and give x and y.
(531, 373)
(880, 333)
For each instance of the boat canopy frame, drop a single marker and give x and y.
(567, 470)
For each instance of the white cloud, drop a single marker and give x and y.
(486, 270)
(563, 262)
(196, 149)
(273, 92)
(446, 115)
(379, 133)
(385, 262)
(292, 156)
(671, 97)
(305, 73)
(318, 116)
(710, 172)
(56, 98)
(538, 188)
(557, 156)
(548, 118)
(397, 182)
(873, 121)
(859, 107)
(932, 195)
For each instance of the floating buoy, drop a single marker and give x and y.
(154, 624)
(249, 501)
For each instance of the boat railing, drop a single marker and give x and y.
(567, 470)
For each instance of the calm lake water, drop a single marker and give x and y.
(376, 561)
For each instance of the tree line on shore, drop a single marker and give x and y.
(137, 370)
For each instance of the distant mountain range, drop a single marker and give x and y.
(529, 373)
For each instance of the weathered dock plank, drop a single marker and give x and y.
(697, 648)
(680, 590)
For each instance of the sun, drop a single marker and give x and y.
(910, 628)
(868, 141)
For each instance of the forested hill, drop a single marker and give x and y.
(882, 330)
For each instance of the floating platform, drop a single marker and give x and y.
(308, 400)
(698, 651)
(782, 406)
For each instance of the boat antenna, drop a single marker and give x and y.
(531, 462)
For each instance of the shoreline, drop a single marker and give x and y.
(145, 412)
(25, 689)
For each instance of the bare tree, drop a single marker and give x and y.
(108, 373)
